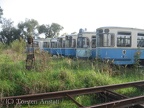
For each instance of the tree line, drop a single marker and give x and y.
(29, 27)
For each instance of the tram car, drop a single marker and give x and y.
(120, 45)
(86, 44)
(70, 45)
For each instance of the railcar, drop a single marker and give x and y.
(86, 44)
(120, 45)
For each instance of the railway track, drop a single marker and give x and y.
(118, 100)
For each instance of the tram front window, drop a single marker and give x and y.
(60, 43)
(67, 43)
(106, 40)
(93, 42)
(46, 44)
(83, 42)
(36, 44)
(74, 43)
(54, 44)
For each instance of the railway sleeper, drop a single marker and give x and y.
(70, 97)
(141, 87)
(108, 96)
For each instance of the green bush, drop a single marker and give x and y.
(18, 45)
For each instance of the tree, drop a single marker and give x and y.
(43, 29)
(28, 28)
(64, 34)
(9, 33)
(50, 30)
(74, 33)
(7, 23)
(1, 13)
(56, 28)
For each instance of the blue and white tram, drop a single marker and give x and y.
(119, 44)
(86, 44)
(70, 45)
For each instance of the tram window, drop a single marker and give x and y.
(60, 42)
(36, 44)
(46, 44)
(100, 40)
(106, 40)
(83, 42)
(70, 42)
(74, 43)
(140, 40)
(124, 39)
(63, 44)
(87, 44)
(93, 43)
(79, 42)
(112, 40)
(67, 43)
(54, 45)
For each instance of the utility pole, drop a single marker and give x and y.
(30, 54)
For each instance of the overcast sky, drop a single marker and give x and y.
(75, 14)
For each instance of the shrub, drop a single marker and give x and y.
(18, 45)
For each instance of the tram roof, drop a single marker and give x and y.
(113, 27)
(86, 32)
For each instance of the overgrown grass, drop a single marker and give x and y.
(56, 74)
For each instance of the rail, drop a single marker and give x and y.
(70, 93)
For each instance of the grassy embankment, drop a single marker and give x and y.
(56, 74)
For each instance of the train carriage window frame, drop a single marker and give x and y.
(46, 44)
(140, 39)
(60, 42)
(83, 42)
(63, 44)
(74, 43)
(69, 42)
(124, 39)
(105, 39)
(36, 44)
(93, 41)
(79, 42)
(53, 44)
(66, 43)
